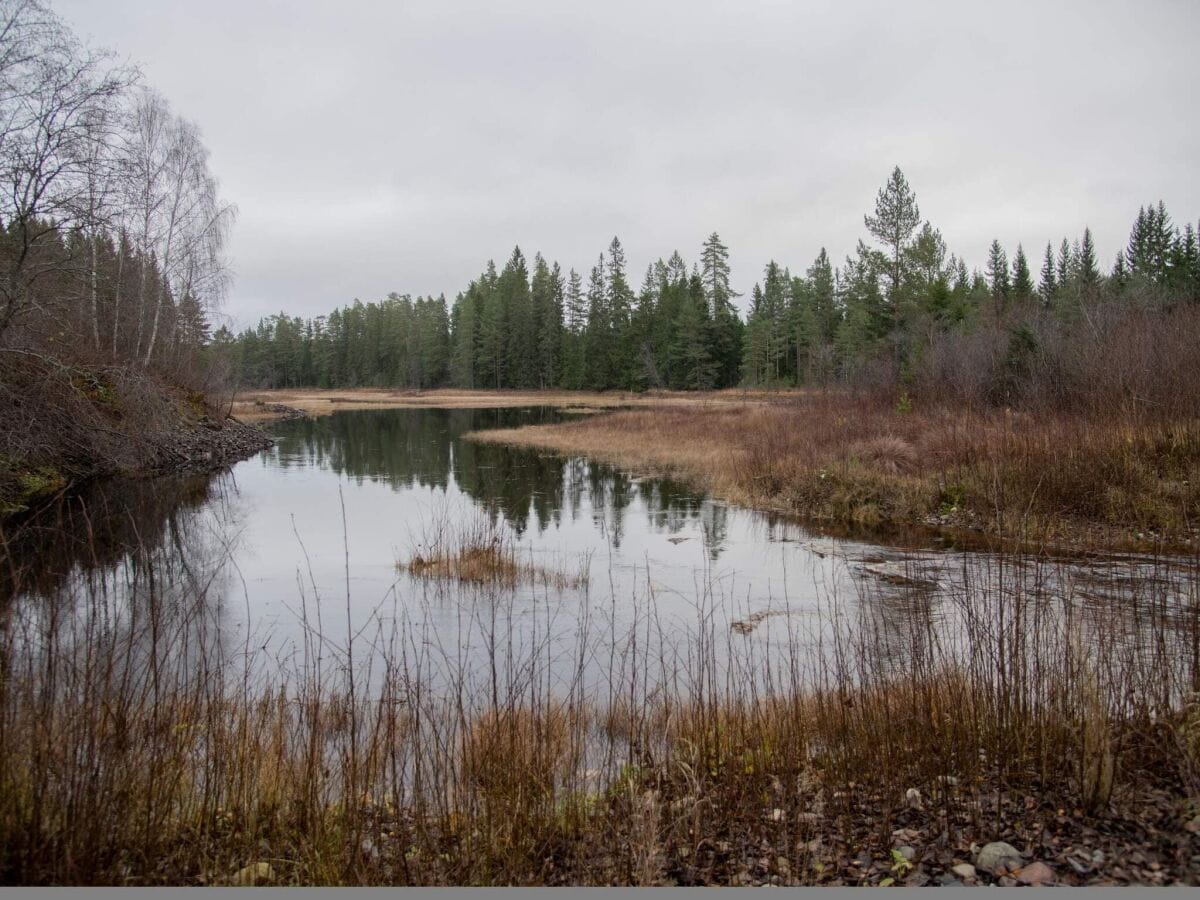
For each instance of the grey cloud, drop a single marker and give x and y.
(374, 147)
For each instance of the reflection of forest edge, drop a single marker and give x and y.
(404, 448)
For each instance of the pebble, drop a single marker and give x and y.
(1036, 873)
(997, 854)
(965, 871)
(255, 873)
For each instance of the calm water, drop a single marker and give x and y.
(290, 552)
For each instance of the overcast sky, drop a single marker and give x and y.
(396, 146)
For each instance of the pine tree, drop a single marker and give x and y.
(714, 262)
(896, 217)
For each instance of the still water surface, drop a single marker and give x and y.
(297, 548)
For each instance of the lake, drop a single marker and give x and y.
(296, 557)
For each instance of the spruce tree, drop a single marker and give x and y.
(1089, 272)
(1048, 286)
(598, 350)
(1022, 281)
(998, 281)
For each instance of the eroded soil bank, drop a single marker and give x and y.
(64, 425)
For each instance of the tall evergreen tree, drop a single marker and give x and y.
(998, 281)
(896, 218)
(1048, 286)
(1022, 281)
(1089, 271)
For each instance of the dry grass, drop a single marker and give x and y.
(134, 749)
(483, 552)
(254, 406)
(847, 461)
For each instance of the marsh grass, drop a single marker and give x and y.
(139, 744)
(484, 551)
(1100, 479)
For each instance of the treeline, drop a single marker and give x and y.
(112, 230)
(902, 306)
(901, 311)
(519, 327)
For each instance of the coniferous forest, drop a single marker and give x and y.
(897, 308)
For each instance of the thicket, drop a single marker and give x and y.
(112, 237)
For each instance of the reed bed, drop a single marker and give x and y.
(141, 744)
(1118, 479)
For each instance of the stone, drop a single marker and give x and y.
(907, 852)
(255, 873)
(1036, 873)
(997, 855)
(965, 871)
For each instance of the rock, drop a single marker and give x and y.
(998, 855)
(1036, 873)
(907, 852)
(913, 798)
(255, 873)
(965, 871)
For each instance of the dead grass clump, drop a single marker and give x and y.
(483, 552)
(508, 753)
(886, 453)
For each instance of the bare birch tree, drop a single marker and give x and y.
(57, 101)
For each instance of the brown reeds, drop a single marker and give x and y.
(860, 461)
(1034, 702)
(484, 552)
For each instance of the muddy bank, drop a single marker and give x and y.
(68, 426)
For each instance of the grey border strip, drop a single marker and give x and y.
(576, 893)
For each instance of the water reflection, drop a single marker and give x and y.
(296, 550)
(424, 448)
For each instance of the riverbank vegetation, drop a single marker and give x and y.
(892, 743)
(1115, 480)
(112, 237)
